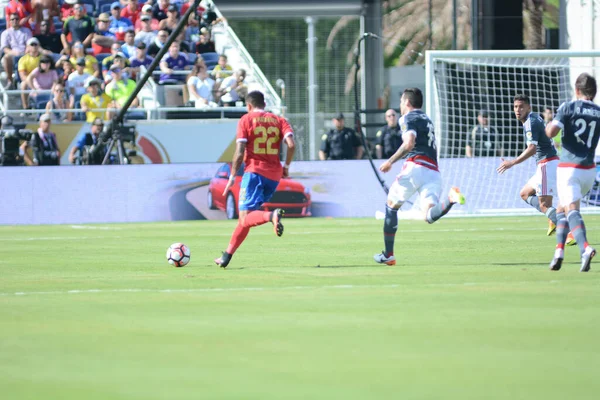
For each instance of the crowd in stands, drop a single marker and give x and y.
(86, 54)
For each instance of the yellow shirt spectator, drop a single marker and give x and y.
(90, 61)
(120, 90)
(100, 101)
(28, 63)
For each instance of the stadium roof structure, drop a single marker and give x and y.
(290, 8)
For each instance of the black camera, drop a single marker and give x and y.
(10, 140)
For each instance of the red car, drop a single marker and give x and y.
(290, 195)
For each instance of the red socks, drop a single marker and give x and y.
(254, 218)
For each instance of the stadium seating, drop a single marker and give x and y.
(211, 59)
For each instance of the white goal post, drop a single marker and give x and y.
(460, 85)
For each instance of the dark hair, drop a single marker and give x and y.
(586, 84)
(256, 99)
(522, 97)
(549, 108)
(414, 97)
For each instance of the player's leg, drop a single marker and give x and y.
(249, 197)
(430, 194)
(562, 229)
(265, 190)
(400, 191)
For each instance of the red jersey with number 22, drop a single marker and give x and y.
(263, 133)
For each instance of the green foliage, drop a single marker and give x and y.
(97, 313)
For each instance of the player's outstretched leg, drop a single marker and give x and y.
(440, 209)
(578, 230)
(390, 226)
(562, 229)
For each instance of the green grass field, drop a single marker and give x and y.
(471, 311)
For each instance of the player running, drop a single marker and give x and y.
(576, 172)
(419, 173)
(538, 192)
(259, 137)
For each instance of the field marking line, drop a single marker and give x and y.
(101, 228)
(269, 233)
(255, 289)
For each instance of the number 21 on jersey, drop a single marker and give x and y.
(582, 125)
(266, 140)
(430, 135)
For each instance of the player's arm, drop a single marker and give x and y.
(238, 157)
(558, 123)
(552, 129)
(408, 143)
(507, 164)
(291, 150)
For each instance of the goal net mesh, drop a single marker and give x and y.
(464, 87)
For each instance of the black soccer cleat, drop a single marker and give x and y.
(556, 264)
(276, 220)
(223, 261)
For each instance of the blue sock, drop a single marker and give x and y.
(439, 210)
(390, 226)
(534, 202)
(562, 230)
(551, 214)
(577, 229)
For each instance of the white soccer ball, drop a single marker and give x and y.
(178, 254)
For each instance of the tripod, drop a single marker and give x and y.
(115, 142)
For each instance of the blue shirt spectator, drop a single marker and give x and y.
(173, 61)
(119, 25)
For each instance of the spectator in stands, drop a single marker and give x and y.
(147, 10)
(159, 10)
(118, 25)
(140, 58)
(131, 11)
(43, 144)
(146, 35)
(67, 9)
(103, 38)
(199, 11)
(115, 50)
(42, 78)
(22, 9)
(91, 63)
(158, 43)
(77, 79)
(174, 61)
(13, 42)
(128, 48)
(482, 140)
(94, 103)
(233, 89)
(27, 63)
(43, 10)
(222, 70)
(120, 88)
(67, 69)
(200, 85)
(120, 63)
(59, 102)
(78, 28)
(205, 43)
(49, 42)
(172, 19)
(89, 139)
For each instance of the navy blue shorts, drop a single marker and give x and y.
(254, 191)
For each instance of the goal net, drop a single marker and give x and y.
(463, 87)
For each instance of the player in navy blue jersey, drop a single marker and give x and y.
(538, 192)
(580, 123)
(419, 173)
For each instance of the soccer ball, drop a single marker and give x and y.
(178, 254)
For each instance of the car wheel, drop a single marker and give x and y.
(231, 207)
(210, 201)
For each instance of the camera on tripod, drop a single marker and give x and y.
(10, 140)
(114, 136)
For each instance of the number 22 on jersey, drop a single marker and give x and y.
(266, 140)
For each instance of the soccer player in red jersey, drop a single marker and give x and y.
(259, 137)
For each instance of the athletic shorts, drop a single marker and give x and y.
(255, 190)
(574, 183)
(544, 180)
(416, 178)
